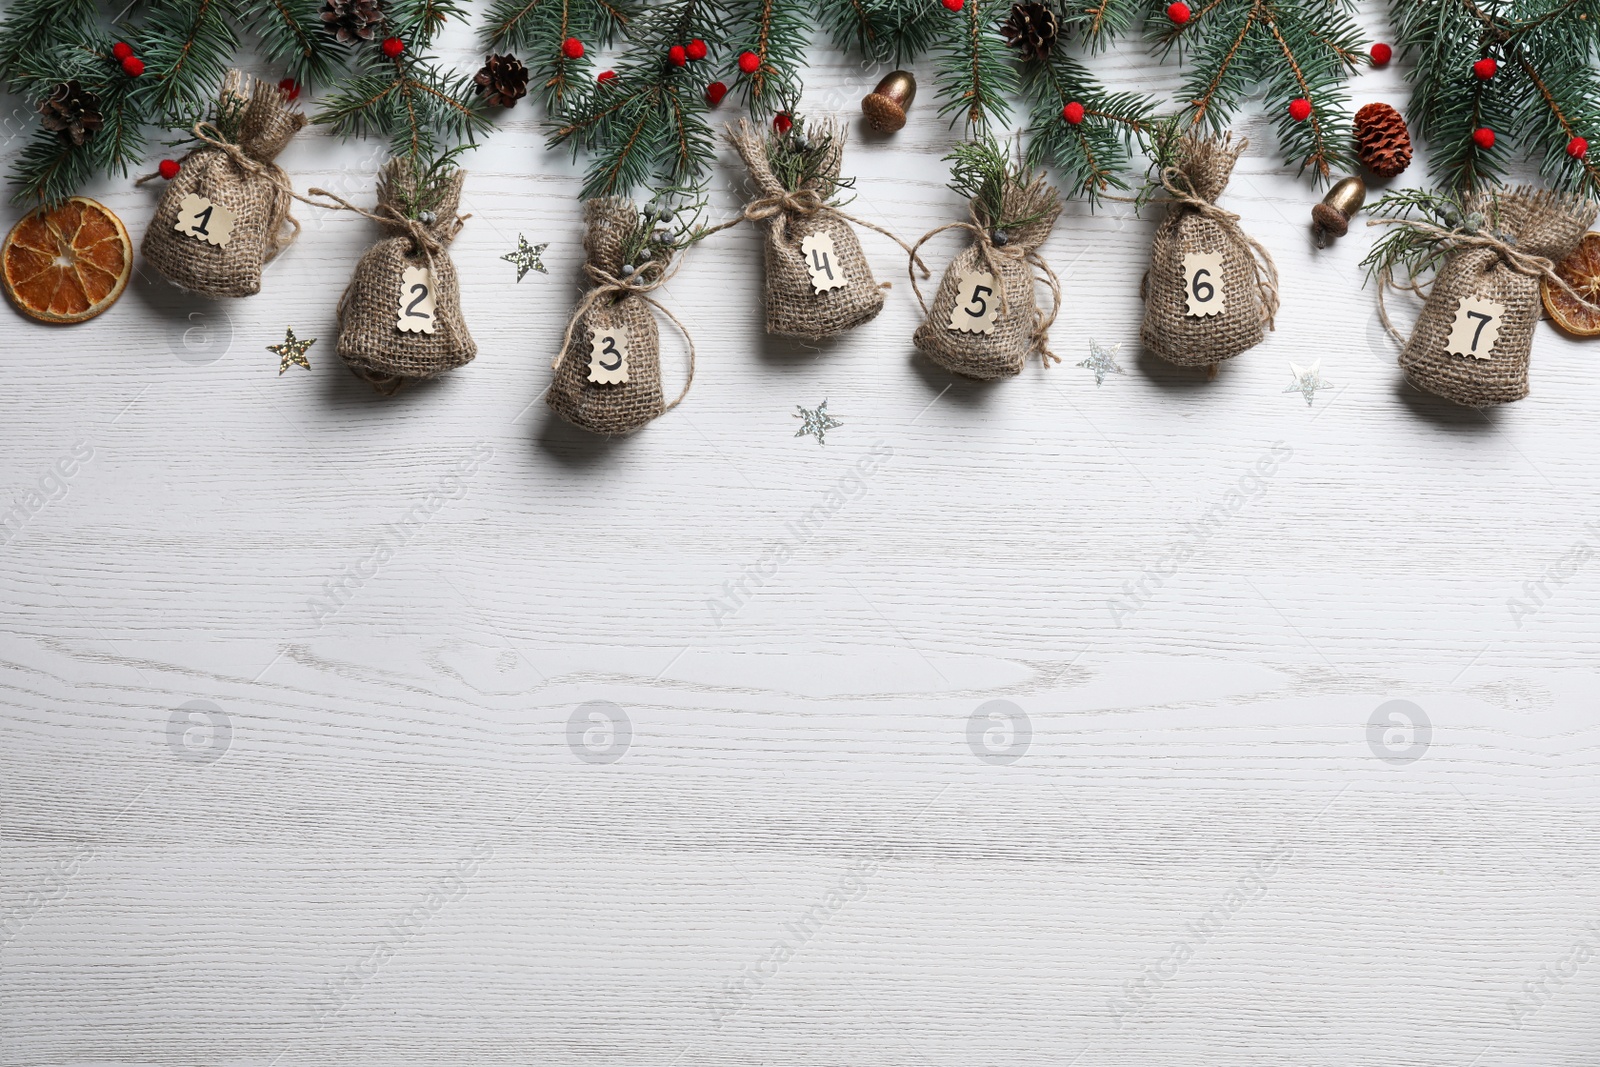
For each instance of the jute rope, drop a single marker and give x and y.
(606, 285)
(207, 133)
(801, 202)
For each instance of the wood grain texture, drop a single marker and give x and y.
(388, 832)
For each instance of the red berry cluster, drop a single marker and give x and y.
(679, 54)
(131, 64)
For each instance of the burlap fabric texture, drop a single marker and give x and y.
(794, 306)
(1021, 327)
(613, 301)
(370, 342)
(240, 176)
(1194, 223)
(1523, 235)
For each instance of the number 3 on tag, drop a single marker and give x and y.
(1476, 328)
(1202, 284)
(416, 301)
(977, 303)
(204, 221)
(821, 263)
(608, 356)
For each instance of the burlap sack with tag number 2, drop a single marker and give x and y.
(232, 167)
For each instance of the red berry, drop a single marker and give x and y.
(782, 122)
(1483, 137)
(168, 168)
(1073, 113)
(572, 48)
(715, 92)
(677, 56)
(1178, 12)
(393, 46)
(121, 50)
(1577, 148)
(1300, 109)
(697, 49)
(748, 62)
(954, 5)
(1381, 54)
(289, 88)
(133, 66)
(605, 76)
(1485, 68)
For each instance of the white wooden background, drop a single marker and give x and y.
(238, 829)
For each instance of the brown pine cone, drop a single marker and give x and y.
(1033, 28)
(502, 81)
(1382, 142)
(353, 20)
(72, 111)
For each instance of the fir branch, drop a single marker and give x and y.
(776, 32)
(294, 37)
(975, 75)
(1099, 23)
(420, 108)
(885, 31)
(1091, 156)
(981, 170)
(537, 28)
(187, 47)
(34, 27)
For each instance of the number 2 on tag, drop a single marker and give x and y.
(416, 301)
(977, 303)
(821, 262)
(1202, 284)
(204, 221)
(608, 356)
(1476, 328)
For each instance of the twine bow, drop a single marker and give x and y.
(802, 202)
(992, 255)
(646, 280)
(209, 135)
(1181, 192)
(1524, 263)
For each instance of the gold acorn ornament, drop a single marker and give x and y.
(886, 106)
(1331, 218)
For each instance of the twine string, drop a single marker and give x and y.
(647, 280)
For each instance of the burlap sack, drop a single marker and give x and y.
(1021, 326)
(624, 407)
(370, 342)
(241, 176)
(1195, 224)
(1527, 223)
(794, 306)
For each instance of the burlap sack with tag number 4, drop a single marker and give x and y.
(232, 167)
(420, 220)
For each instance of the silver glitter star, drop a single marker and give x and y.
(1307, 380)
(817, 421)
(292, 353)
(526, 257)
(1102, 361)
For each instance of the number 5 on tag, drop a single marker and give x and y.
(1202, 284)
(204, 221)
(821, 264)
(608, 356)
(1476, 328)
(977, 303)
(416, 301)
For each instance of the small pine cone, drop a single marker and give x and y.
(1033, 29)
(502, 81)
(353, 20)
(72, 111)
(1382, 142)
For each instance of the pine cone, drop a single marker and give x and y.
(1032, 28)
(72, 111)
(353, 20)
(502, 81)
(1382, 142)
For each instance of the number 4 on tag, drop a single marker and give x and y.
(204, 221)
(1476, 328)
(608, 356)
(821, 263)
(416, 301)
(977, 303)
(1202, 284)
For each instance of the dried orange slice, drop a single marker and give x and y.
(1581, 270)
(68, 264)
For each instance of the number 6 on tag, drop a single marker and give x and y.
(1202, 284)
(416, 301)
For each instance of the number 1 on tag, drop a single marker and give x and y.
(821, 262)
(205, 221)
(1202, 284)
(416, 301)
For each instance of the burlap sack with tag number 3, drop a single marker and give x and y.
(232, 169)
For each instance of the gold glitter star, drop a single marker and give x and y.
(292, 353)
(526, 257)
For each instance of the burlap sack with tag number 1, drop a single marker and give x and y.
(233, 166)
(1195, 224)
(1502, 265)
(795, 307)
(420, 219)
(623, 407)
(1021, 326)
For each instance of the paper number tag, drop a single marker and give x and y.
(608, 356)
(977, 303)
(1476, 328)
(817, 250)
(416, 301)
(1202, 284)
(204, 221)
